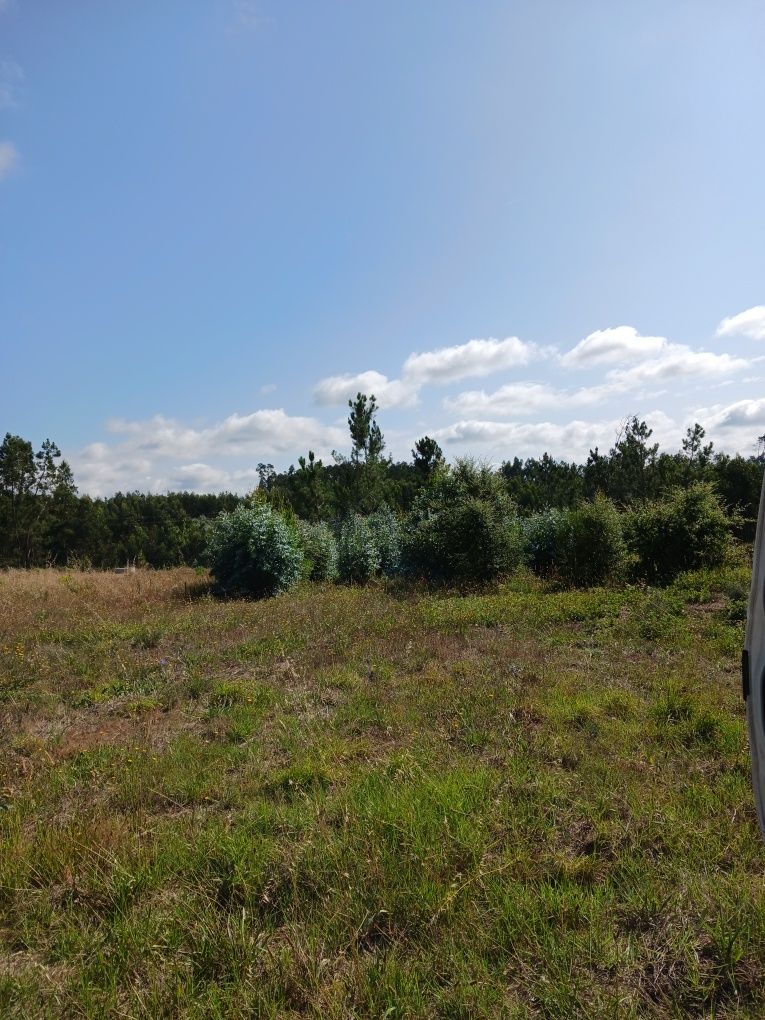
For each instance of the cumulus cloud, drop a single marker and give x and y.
(612, 345)
(438, 367)
(267, 431)
(339, 389)
(472, 359)
(736, 426)
(750, 413)
(522, 398)
(677, 361)
(9, 158)
(161, 453)
(164, 453)
(750, 323)
(101, 469)
(206, 478)
(513, 399)
(571, 440)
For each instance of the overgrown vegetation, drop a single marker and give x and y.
(462, 527)
(686, 529)
(319, 551)
(358, 557)
(581, 546)
(373, 801)
(254, 551)
(43, 520)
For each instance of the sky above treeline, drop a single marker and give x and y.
(516, 223)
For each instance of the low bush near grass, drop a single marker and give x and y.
(462, 527)
(386, 534)
(687, 530)
(319, 550)
(358, 558)
(582, 546)
(591, 546)
(254, 551)
(541, 541)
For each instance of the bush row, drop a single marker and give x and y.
(463, 528)
(259, 550)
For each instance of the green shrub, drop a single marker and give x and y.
(686, 530)
(319, 550)
(590, 544)
(358, 558)
(583, 546)
(462, 527)
(254, 551)
(541, 535)
(386, 533)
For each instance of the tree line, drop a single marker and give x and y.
(43, 519)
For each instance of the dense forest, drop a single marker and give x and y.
(43, 519)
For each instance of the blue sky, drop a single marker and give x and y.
(516, 223)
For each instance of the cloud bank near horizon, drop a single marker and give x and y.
(626, 372)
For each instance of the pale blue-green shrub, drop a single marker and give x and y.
(386, 533)
(358, 557)
(254, 550)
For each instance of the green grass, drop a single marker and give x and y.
(373, 802)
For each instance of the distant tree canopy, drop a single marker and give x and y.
(44, 520)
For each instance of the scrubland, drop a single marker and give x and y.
(379, 801)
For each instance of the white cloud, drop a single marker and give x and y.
(513, 399)
(267, 431)
(571, 440)
(101, 469)
(206, 478)
(438, 367)
(612, 345)
(161, 453)
(736, 426)
(9, 158)
(474, 358)
(267, 388)
(522, 398)
(750, 323)
(339, 389)
(749, 414)
(677, 361)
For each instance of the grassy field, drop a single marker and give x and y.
(519, 802)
